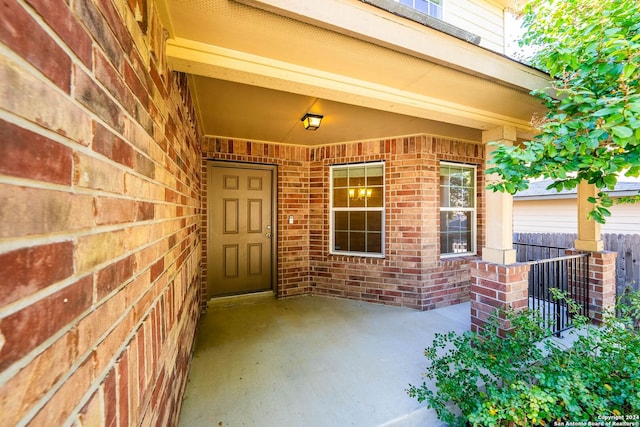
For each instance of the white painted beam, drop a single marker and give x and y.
(212, 61)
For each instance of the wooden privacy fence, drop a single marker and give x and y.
(627, 246)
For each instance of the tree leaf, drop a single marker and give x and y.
(605, 112)
(634, 107)
(622, 131)
(610, 181)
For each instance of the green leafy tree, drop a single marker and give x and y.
(591, 50)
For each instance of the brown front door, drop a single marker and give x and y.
(241, 230)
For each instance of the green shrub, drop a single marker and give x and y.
(527, 379)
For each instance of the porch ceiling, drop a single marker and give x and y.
(257, 66)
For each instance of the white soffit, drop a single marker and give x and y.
(216, 62)
(378, 26)
(279, 54)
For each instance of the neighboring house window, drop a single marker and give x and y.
(357, 209)
(430, 7)
(457, 209)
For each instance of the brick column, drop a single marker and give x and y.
(497, 286)
(602, 284)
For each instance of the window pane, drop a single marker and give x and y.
(357, 220)
(445, 246)
(374, 175)
(445, 196)
(457, 185)
(455, 232)
(430, 7)
(356, 177)
(375, 197)
(457, 221)
(358, 200)
(340, 197)
(457, 190)
(356, 241)
(341, 221)
(355, 188)
(436, 11)
(422, 6)
(341, 241)
(340, 177)
(374, 221)
(459, 197)
(374, 242)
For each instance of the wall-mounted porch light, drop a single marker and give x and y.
(311, 121)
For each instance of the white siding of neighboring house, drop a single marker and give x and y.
(560, 216)
(482, 18)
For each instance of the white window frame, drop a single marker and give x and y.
(333, 209)
(433, 2)
(473, 209)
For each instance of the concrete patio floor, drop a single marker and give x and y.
(311, 361)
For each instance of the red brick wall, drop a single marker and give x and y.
(99, 217)
(412, 273)
(602, 284)
(496, 286)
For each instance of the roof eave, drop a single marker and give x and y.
(376, 25)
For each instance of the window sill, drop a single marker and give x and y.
(357, 255)
(458, 257)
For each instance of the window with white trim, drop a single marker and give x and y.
(429, 7)
(357, 209)
(457, 209)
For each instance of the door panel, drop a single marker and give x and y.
(254, 217)
(239, 242)
(255, 259)
(230, 216)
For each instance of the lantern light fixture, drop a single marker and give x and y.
(311, 121)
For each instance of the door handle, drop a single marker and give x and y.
(268, 235)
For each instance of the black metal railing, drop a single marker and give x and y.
(569, 274)
(551, 268)
(526, 252)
